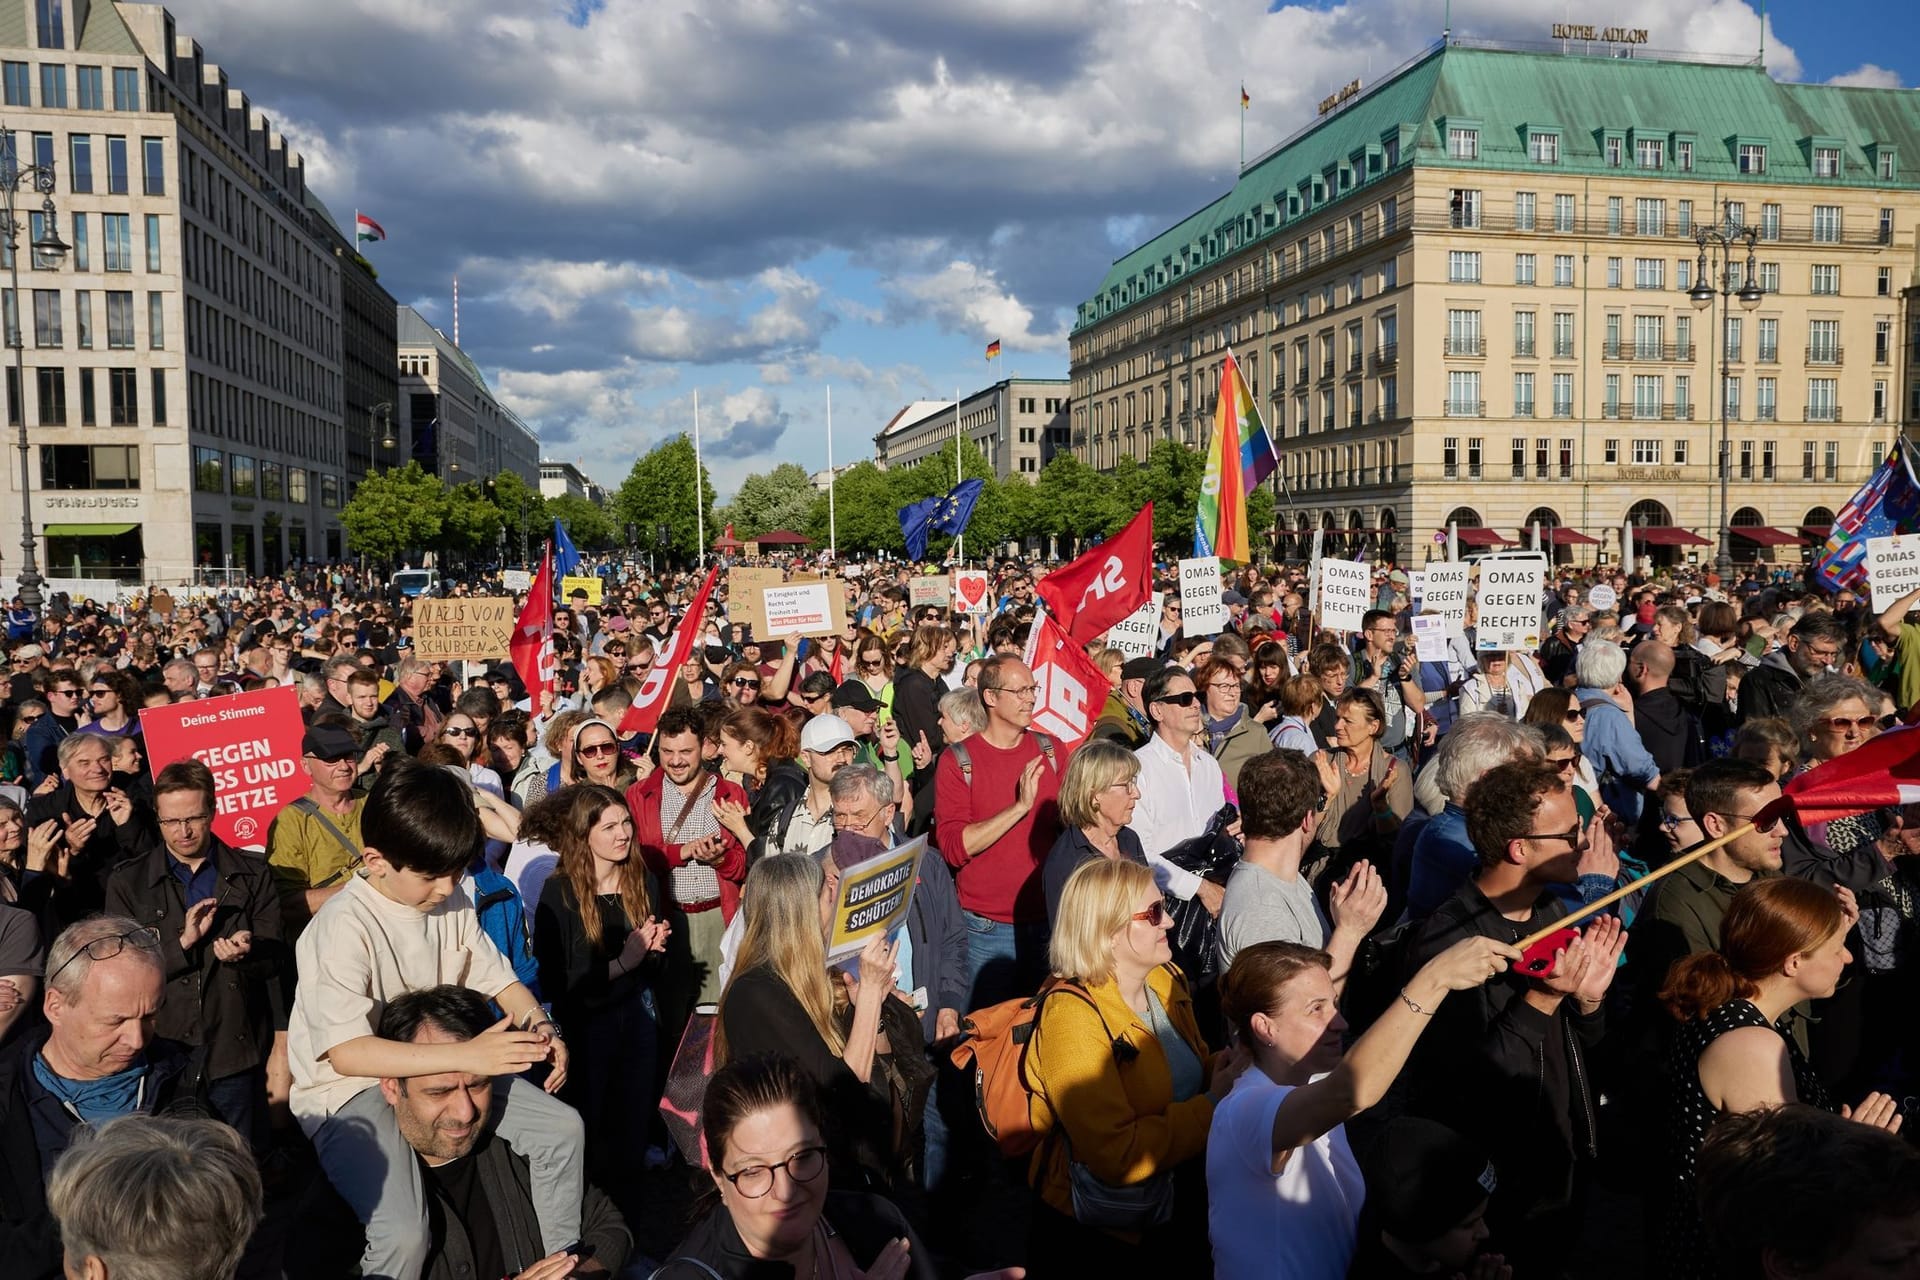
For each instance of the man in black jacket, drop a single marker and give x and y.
(217, 914)
(1816, 642)
(1505, 1063)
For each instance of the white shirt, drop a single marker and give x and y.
(528, 866)
(1298, 1224)
(1177, 799)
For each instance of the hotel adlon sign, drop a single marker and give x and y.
(1600, 35)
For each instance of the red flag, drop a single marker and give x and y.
(839, 668)
(1070, 689)
(1878, 775)
(653, 695)
(532, 645)
(1105, 583)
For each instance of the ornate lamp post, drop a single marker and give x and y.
(49, 249)
(1721, 242)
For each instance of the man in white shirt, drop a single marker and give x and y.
(1181, 786)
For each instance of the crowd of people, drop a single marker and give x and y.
(515, 991)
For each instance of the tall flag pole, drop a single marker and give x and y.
(960, 540)
(833, 536)
(699, 494)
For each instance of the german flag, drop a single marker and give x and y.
(1245, 101)
(993, 348)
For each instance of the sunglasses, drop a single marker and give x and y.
(1179, 699)
(457, 731)
(1840, 724)
(597, 749)
(1575, 713)
(1763, 827)
(1156, 915)
(1565, 764)
(743, 684)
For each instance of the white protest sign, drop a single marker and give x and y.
(1203, 612)
(935, 589)
(1446, 591)
(797, 609)
(1602, 597)
(1893, 568)
(1416, 585)
(1430, 637)
(516, 579)
(1138, 634)
(1346, 593)
(1510, 604)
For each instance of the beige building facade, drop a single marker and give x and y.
(450, 421)
(1462, 296)
(1018, 425)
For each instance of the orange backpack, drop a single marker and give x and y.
(993, 1046)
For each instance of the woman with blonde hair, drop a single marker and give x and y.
(1097, 795)
(558, 745)
(596, 674)
(1123, 1086)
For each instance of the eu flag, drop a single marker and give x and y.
(565, 558)
(957, 507)
(914, 521)
(1889, 503)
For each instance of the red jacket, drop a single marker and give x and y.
(643, 802)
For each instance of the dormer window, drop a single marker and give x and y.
(1543, 148)
(1826, 162)
(1463, 144)
(1649, 153)
(1753, 157)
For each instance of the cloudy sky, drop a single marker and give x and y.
(758, 199)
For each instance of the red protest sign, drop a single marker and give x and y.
(251, 741)
(1069, 689)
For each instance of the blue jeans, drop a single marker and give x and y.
(1006, 961)
(241, 1100)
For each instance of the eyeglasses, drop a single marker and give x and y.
(64, 693)
(1574, 836)
(1565, 764)
(1575, 713)
(756, 1180)
(1670, 823)
(1223, 686)
(1024, 692)
(29, 719)
(596, 749)
(459, 731)
(188, 823)
(110, 946)
(1763, 827)
(841, 818)
(1178, 699)
(1840, 724)
(1157, 914)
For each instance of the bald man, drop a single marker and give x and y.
(1666, 727)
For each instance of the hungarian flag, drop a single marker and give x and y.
(655, 692)
(365, 228)
(1105, 583)
(532, 645)
(1883, 773)
(1069, 688)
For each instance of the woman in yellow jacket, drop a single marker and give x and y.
(1123, 1087)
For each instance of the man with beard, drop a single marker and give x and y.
(1815, 644)
(917, 686)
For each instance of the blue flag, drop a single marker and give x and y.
(914, 521)
(957, 507)
(565, 558)
(1887, 504)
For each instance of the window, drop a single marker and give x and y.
(1746, 459)
(1825, 279)
(330, 492)
(1566, 458)
(1879, 453)
(123, 398)
(1463, 144)
(1886, 160)
(1615, 214)
(1523, 324)
(1683, 218)
(1649, 337)
(1563, 270)
(1563, 333)
(1882, 341)
(1886, 226)
(117, 166)
(89, 466)
(46, 318)
(1610, 450)
(1806, 460)
(157, 322)
(19, 87)
(1826, 162)
(1649, 153)
(1826, 223)
(1883, 283)
(1473, 457)
(153, 166)
(1563, 395)
(1830, 460)
(296, 484)
(1683, 275)
(273, 480)
(1733, 328)
(1523, 210)
(159, 391)
(1879, 403)
(118, 232)
(1823, 400)
(1648, 390)
(1611, 396)
(1463, 393)
(1767, 454)
(1649, 217)
(1682, 398)
(1611, 343)
(1766, 399)
(1649, 273)
(1647, 453)
(83, 319)
(126, 89)
(242, 473)
(1615, 148)
(1614, 270)
(153, 242)
(1463, 207)
(1732, 392)
(1525, 265)
(119, 321)
(1519, 457)
(10, 311)
(1463, 333)
(1463, 266)
(1769, 336)
(1769, 280)
(80, 162)
(51, 388)
(1543, 148)
(1683, 156)
(1450, 457)
(1823, 342)
(1753, 158)
(87, 83)
(1563, 212)
(50, 23)
(1523, 395)
(89, 413)
(209, 471)
(53, 85)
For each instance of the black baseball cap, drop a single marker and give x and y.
(329, 742)
(855, 694)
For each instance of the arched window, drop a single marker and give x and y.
(1389, 536)
(1545, 517)
(1747, 518)
(1465, 517)
(1649, 512)
(1818, 518)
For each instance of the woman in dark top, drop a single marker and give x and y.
(761, 747)
(1097, 796)
(597, 966)
(1782, 941)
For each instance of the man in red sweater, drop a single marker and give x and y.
(996, 816)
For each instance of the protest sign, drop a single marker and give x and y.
(973, 590)
(1509, 604)
(934, 589)
(1138, 634)
(743, 592)
(1893, 568)
(251, 741)
(799, 609)
(1602, 597)
(477, 628)
(1416, 586)
(1069, 690)
(589, 583)
(873, 898)
(1202, 611)
(1445, 590)
(1346, 593)
(516, 580)
(1430, 637)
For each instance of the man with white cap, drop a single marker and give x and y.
(827, 746)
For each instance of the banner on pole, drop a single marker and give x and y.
(1069, 688)
(1346, 593)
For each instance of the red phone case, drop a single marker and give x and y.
(1537, 960)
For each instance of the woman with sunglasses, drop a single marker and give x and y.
(462, 733)
(740, 684)
(1123, 1085)
(1557, 708)
(13, 760)
(596, 757)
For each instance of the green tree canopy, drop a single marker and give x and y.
(470, 522)
(865, 511)
(523, 512)
(393, 512)
(659, 490)
(782, 498)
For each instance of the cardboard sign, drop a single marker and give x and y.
(476, 628)
(1893, 568)
(743, 591)
(934, 589)
(1430, 638)
(1346, 593)
(589, 583)
(251, 741)
(1138, 634)
(799, 609)
(1602, 597)
(1509, 604)
(1444, 590)
(973, 590)
(161, 602)
(516, 580)
(1202, 611)
(874, 898)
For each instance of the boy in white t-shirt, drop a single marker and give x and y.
(402, 924)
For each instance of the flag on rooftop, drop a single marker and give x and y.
(365, 228)
(993, 348)
(1245, 101)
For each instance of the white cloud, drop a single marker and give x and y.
(1868, 75)
(965, 298)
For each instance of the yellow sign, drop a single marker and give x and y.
(589, 583)
(874, 897)
(474, 629)
(1600, 35)
(1346, 91)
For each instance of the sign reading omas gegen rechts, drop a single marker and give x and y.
(1509, 604)
(1893, 568)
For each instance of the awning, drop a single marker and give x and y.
(1559, 537)
(1766, 537)
(1667, 535)
(1818, 532)
(1480, 538)
(88, 530)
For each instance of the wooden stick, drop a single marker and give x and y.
(1594, 907)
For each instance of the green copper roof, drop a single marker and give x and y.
(1507, 94)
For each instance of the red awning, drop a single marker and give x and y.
(1560, 537)
(1766, 537)
(781, 538)
(1667, 535)
(1480, 538)
(1818, 532)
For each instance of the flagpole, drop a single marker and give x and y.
(833, 537)
(1601, 904)
(959, 539)
(699, 496)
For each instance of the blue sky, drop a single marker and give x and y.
(756, 199)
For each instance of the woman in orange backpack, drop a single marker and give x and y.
(1123, 1087)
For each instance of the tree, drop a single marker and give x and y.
(393, 512)
(469, 522)
(659, 490)
(782, 498)
(1073, 501)
(866, 510)
(588, 523)
(523, 512)
(1171, 481)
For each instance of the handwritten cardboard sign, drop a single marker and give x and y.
(874, 897)
(743, 591)
(251, 741)
(933, 589)
(801, 608)
(475, 629)
(973, 590)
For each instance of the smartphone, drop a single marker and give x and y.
(1537, 960)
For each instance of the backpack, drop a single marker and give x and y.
(993, 1050)
(959, 750)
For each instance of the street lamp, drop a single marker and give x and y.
(383, 412)
(48, 246)
(1721, 242)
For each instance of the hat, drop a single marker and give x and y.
(29, 651)
(618, 622)
(1423, 1179)
(329, 742)
(1398, 575)
(1232, 597)
(855, 694)
(1140, 668)
(824, 733)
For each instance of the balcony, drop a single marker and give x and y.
(1466, 346)
(1326, 369)
(1523, 349)
(1386, 355)
(1353, 418)
(1563, 410)
(1653, 412)
(1523, 408)
(1388, 412)
(1769, 353)
(1767, 413)
(1465, 408)
(1681, 352)
(1822, 413)
(1355, 365)
(1823, 354)
(1563, 351)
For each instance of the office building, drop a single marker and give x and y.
(1018, 424)
(449, 420)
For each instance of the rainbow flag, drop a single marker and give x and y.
(1220, 522)
(1258, 457)
(993, 348)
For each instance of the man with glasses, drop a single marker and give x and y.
(95, 1059)
(1816, 644)
(218, 916)
(1124, 717)
(42, 741)
(1181, 786)
(997, 814)
(339, 697)
(1504, 1063)
(313, 845)
(659, 627)
(1394, 675)
(1570, 628)
(26, 660)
